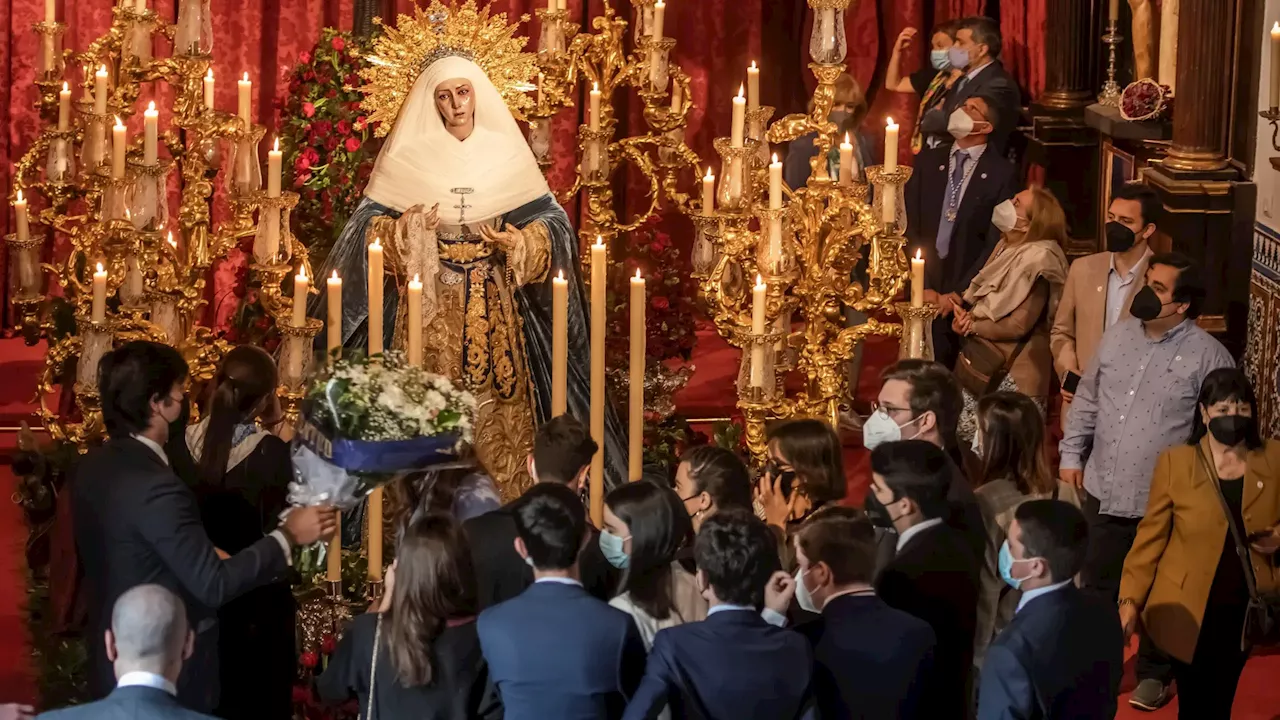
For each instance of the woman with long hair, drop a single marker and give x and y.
(242, 474)
(1005, 315)
(419, 655)
(1207, 541)
(1015, 468)
(710, 478)
(805, 471)
(644, 527)
(461, 490)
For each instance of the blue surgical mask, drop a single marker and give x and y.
(940, 59)
(614, 550)
(1005, 565)
(958, 57)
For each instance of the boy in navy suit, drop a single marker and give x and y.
(734, 664)
(554, 651)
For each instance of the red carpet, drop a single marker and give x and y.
(710, 395)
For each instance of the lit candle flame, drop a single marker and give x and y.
(775, 158)
(742, 91)
(560, 276)
(276, 147)
(759, 280)
(599, 241)
(753, 65)
(918, 255)
(416, 278)
(66, 87)
(302, 273)
(100, 270)
(377, 243)
(151, 106)
(246, 77)
(118, 123)
(209, 74)
(19, 196)
(595, 87)
(335, 275)
(638, 273)
(710, 175)
(102, 70)
(888, 122)
(172, 243)
(846, 139)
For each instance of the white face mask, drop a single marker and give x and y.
(1005, 217)
(960, 125)
(802, 594)
(880, 429)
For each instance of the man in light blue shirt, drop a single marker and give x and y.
(1062, 655)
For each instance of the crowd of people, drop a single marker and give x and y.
(978, 577)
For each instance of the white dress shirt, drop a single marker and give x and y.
(140, 678)
(155, 447)
(915, 530)
(1117, 289)
(561, 580)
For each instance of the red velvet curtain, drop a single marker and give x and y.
(716, 40)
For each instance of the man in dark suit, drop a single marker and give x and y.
(554, 651)
(934, 574)
(734, 664)
(562, 452)
(137, 523)
(871, 661)
(148, 641)
(949, 199)
(1062, 655)
(977, 52)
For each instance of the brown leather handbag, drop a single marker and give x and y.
(982, 366)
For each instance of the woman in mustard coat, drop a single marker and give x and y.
(1183, 574)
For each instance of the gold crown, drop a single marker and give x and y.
(401, 53)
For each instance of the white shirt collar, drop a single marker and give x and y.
(155, 447)
(974, 72)
(561, 580)
(727, 607)
(147, 679)
(1030, 595)
(1133, 270)
(974, 153)
(916, 529)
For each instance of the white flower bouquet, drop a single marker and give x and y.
(367, 420)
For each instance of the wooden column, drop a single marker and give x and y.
(1069, 51)
(1202, 110)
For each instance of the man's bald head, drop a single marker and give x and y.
(149, 632)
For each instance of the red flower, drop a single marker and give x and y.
(308, 110)
(327, 645)
(304, 57)
(263, 323)
(301, 179)
(659, 303)
(331, 144)
(344, 127)
(332, 93)
(352, 144)
(322, 127)
(338, 44)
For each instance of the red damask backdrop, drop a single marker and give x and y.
(716, 40)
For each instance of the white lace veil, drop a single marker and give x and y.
(421, 163)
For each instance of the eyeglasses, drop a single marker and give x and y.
(888, 409)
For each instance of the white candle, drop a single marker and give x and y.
(1275, 66)
(141, 6)
(275, 159)
(208, 89)
(598, 313)
(151, 134)
(677, 97)
(659, 14)
(119, 143)
(775, 184)
(595, 107)
(635, 420)
(64, 108)
(415, 321)
(889, 211)
(758, 299)
(890, 146)
(99, 312)
(753, 87)
(333, 324)
(917, 280)
(739, 110)
(50, 13)
(20, 217)
(375, 297)
(133, 279)
(300, 287)
(846, 161)
(709, 193)
(559, 344)
(246, 102)
(100, 91)
(828, 28)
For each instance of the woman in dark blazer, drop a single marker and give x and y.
(428, 662)
(1183, 575)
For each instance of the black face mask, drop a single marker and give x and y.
(876, 511)
(1230, 430)
(1119, 237)
(1146, 304)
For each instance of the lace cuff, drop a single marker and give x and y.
(530, 259)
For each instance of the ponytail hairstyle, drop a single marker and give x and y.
(243, 388)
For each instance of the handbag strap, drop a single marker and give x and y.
(1242, 550)
(373, 667)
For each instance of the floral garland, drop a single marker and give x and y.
(671, 313)
(329, 146)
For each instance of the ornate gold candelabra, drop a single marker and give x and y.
(155, 265)
(827, 227)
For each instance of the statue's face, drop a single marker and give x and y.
(455, 100)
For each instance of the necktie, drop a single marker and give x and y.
(951, 205)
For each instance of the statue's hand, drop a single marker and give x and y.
(504, 240)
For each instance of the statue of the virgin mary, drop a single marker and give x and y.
(457, 199)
